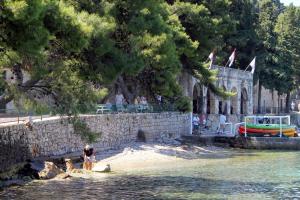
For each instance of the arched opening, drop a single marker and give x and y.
(197, 99)
(244, 99)
(223, 104)
(234, 102)
(208, 102)
(211, 103)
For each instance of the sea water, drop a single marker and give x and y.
(235, 174)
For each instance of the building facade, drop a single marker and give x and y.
(205, 102)
(244, 102)
(271, 101)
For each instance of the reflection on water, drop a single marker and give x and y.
(259, 175)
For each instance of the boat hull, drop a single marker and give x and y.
(255, 132)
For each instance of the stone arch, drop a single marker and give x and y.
(222, 104)
(234, 102)
(244, 101)
(198, 98)
(210, 103)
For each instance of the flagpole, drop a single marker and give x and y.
(252, 64)
(226, 63)
(247, 67)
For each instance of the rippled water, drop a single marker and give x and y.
(231, 175)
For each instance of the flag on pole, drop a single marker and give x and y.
(211, 57)
(252, 65)
(231, 58)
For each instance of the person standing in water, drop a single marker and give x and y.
(89, 157)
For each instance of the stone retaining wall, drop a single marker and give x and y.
(56, 137)
(292, 143)
(261, 143)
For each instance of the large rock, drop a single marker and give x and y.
(50, 171)
(101, 168)
(28, 171)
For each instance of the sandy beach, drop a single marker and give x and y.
(150, 155)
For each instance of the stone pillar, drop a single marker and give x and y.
(228, 102)
(215, 106)
(204, 104)
(250, 100)
(238, 109)
(204, 90)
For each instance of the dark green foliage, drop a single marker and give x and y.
(183, 104)
(244, 37)
(78, 51)
(48, 40)
(81, 128)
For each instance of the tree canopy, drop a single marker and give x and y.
(78, 52)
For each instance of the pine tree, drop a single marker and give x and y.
(288, 37)
(46, 39)
(268, 11)
(244, 37)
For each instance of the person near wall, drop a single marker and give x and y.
(144, 100)
(143, 104)
(203, 120)
(292, 106)
(222, 123)
(119, 98)
(159, 99)
(89, 157)
(137, 100)
(120, 101)
(196, 122)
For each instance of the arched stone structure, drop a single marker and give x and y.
(223, 104)
(211, 103)
(198, 99)
(234, 102)
(244, 101)
(233, 80)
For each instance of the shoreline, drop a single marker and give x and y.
(129, 157)
(136, 157)
(132, 157)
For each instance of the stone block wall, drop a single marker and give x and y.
(56, 137)
(292, 143)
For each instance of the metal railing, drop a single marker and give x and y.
(134, 108)
(255, 119)
(18, 115)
